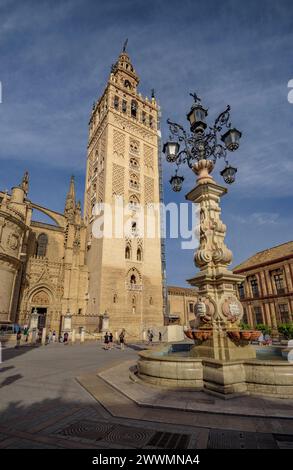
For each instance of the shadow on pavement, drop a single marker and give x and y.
(10, 380)
(12, 352)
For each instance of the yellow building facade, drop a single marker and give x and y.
(267, 292)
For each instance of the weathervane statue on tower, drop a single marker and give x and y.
(125, 45)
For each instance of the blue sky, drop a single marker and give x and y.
(54, 62)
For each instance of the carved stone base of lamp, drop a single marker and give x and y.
(221, 347)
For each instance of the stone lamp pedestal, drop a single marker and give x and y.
(218, 308)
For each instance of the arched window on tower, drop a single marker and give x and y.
(133, 202)
(127, 252)
(127, 84)
(133, 182)
(42, 245)
(124, 106)
(116, 102)
(134, 108)
(139, 254)
(134, 164)
(115, 298)
(134, 228)
(132, 279)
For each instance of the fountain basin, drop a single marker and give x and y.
(173, 366)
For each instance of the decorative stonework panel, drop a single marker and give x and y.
(148, 190)
(148, 156)
(40, 298)
(135, 129)
(13, 241)
(118, 143)
(204, 309)
(118, 180)
(232, 309)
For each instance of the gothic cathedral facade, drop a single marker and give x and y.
(66, 269)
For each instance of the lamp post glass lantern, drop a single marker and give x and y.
(202, 142)
(171, 150)
(176, 182)
(229, 174)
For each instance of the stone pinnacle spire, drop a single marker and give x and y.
(70, 200)
(25, 182)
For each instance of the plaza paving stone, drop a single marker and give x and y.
(59, 396)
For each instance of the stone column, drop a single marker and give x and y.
(275, 333)
(263, 283)
(73, 336)
(269, 283)
(82, 336)
(288, 280)
(268, 314)
(44, 334)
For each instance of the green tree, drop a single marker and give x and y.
(286, 329)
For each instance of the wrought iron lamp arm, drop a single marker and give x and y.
(181, 135)
(222, 120)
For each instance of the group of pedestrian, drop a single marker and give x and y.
(108, 340)
(36, 336)
(150, 337)
(264, 339)
(51, 338)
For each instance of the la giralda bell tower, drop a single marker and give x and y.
(125, 269)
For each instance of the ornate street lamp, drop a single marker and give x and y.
(201, 143)
(176, 182)
(197, 116)
(218, 310)
(231, 139)
(229, 174)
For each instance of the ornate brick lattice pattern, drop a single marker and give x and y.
(148, 156)
(118, 143)
(118, 180)
(101, 187)
(148, 190)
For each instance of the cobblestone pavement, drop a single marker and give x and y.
(43, 406)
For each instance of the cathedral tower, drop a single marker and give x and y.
(125, 274)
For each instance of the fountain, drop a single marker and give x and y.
(221, 361)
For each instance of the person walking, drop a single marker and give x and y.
(18, 339)
(65, 338)
(106, 341)
(150, 337)
(111, 340)
(26, 333)
(54, 336)
(49, 337)
(122, 340)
